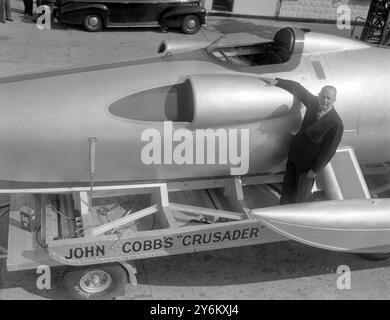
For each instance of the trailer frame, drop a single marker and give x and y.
(178, 226)
(221, 227)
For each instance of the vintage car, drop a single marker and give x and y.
(96, 14)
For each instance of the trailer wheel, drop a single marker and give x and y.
(99, 282)
(93, 23)
(375, 256)
(191, 24)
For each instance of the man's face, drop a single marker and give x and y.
(327, 98)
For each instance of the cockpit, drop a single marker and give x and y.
(267, 53)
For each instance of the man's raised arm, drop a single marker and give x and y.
(297, 90)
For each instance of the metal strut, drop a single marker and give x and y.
(92, 166)
(377, 22)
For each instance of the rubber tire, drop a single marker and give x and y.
(375, 256)
(90, 28)
(184, 24)
(71, 282)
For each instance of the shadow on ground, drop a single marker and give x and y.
(251, 264)
(24, 284)
(226, 267)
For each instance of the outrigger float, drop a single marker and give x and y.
(98, 232)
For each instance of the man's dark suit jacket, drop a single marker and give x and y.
(317, 140)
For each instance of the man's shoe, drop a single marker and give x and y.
(10, 19)
(3, 21)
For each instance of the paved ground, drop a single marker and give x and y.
(285, 270)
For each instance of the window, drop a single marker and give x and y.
(277, 51)
(258, 55)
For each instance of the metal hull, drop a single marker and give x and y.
(46, 119)
(349, 225)
(46, 131)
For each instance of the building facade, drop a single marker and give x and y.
(297, 9)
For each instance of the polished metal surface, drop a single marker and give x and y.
(93, 21)
(318, 43)
(176, 46)
(95, 281)
(191, 23)
(342, 178)
(231, 100)
(349, 214)
(361, 225)
(46, 120)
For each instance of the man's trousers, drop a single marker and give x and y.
(28, 7)
(296, 185)
(5, 9)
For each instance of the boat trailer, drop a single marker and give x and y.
(100, 233)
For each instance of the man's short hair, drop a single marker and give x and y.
(331, 88)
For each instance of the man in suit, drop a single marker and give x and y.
(315, 143)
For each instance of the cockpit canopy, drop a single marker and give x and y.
(277, 51)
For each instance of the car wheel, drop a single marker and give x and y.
(93, 23)
(191, 24)
(95, 282)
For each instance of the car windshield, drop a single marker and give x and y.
(275, 51)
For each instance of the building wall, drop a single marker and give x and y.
(305, 9)
(266, 8)
(321, 9)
